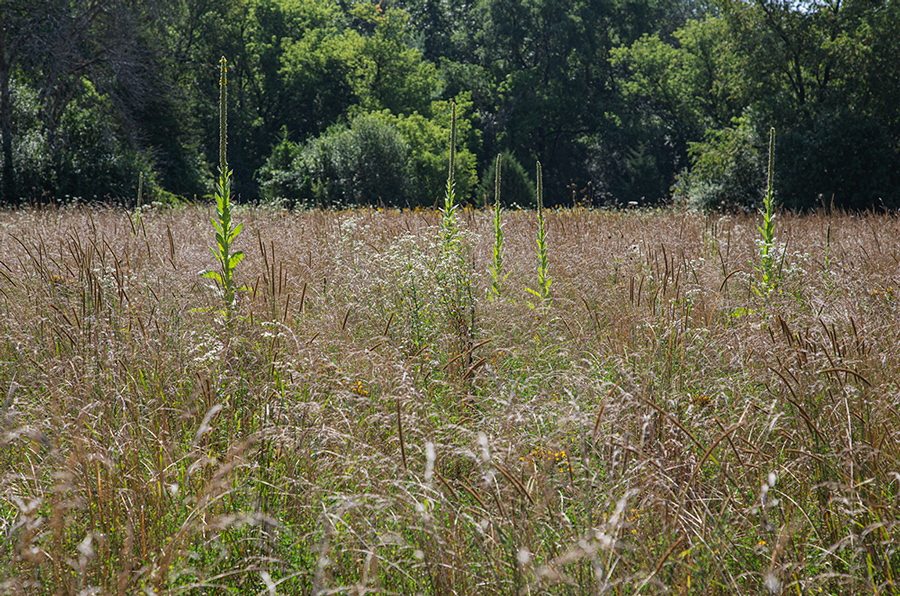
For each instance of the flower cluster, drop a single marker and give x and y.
(547, 456)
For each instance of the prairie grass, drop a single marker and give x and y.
(660, 427)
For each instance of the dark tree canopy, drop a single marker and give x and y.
(621, 100)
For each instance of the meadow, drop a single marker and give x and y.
(382, 410)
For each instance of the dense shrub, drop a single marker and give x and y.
(516, 186)
(728, 170)
(278, 180)
(32, 165)
(378, 159)
(365, 163)
(836, 158)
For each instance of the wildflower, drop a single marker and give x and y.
(701, 400)
(359, 389)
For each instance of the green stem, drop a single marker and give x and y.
(544, 279)
(497, 270)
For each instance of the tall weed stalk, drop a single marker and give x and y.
(497, 263)
(767, 229)
(543, 264)
(453, 273)
(448, 213)
(226, 231)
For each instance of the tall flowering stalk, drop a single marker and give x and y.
(226, 231)
(497, 266)
(448, 213)
(543, 264)
(767, 229)
(452, 267)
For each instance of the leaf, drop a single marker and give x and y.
(214, 275)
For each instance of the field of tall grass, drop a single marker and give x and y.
(380, 411)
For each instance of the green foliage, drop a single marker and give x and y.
(278, 179)
(389, 74)
(727, 170)
(610, 92)
(518, 188)
(430, 152)
(497, 261)
(82, 158)
(547, 78)
(365, 163)
(543, 265)
(324, 67)
(452, 264)
(32, 159)
(820, 162)
(694, 80)
(379, 159)
(673, 91)
(226, 233)
(767, 229)
(448, 213)
(839, 158)
(812, 72)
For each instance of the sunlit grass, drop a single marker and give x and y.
(659, 427)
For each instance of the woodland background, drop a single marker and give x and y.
(342, 102)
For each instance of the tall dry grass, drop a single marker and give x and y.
(660, 427)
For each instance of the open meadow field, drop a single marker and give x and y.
(655, 408)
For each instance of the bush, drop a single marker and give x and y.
(365, 164)
(835, 158)
(516, 186)
(429, 141)
(278, 179)
(728, 170)
(379, 159)
(32, 163)
(91, 161)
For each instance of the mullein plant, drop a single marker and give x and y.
(497, 265)
(543, 266)
(226, 231)
(452, 271)
(448, 213)
(767, 229)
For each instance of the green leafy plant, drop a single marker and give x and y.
(226, 231)
(139, 204)
(767, 229)
(452, 267)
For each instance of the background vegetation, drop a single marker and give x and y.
(619, 99)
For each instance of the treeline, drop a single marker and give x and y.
(339, 102)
